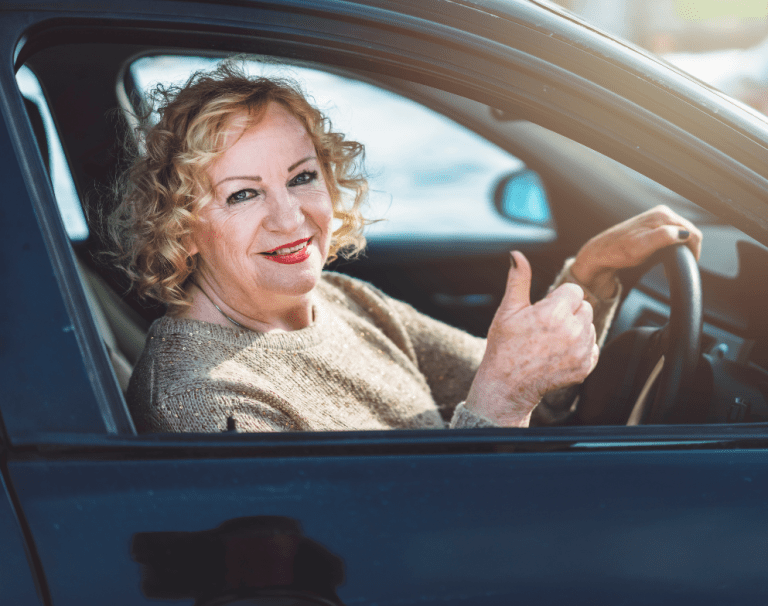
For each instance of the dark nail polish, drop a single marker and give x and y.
(512, 259)
(683, 234)
(231, 424)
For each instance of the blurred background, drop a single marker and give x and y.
(722, 42)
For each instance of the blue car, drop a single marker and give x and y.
(491, 125)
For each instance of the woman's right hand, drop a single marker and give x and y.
(532, 349)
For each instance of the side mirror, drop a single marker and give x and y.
(521, 196)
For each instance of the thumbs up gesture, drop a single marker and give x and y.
(532, 349)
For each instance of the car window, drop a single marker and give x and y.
(435, 183)
(424, 169)
(61, 178)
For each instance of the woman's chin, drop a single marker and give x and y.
(295, 279)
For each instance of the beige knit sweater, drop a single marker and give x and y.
(366, 362)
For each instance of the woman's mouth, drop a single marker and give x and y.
(295, 252)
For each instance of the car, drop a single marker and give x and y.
(647, 495)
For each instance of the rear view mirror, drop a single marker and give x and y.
(521, 196)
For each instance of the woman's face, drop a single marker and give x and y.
(264, 238)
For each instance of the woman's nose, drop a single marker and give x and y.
(285, 212)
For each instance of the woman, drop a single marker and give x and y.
(228, 219)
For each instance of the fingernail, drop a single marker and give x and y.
(512, 258)
(683, 234)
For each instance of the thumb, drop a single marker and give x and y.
(518, 293)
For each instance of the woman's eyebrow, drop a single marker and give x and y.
(239, 178)
(300, 162)
(257, 178)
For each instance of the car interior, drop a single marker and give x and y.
(453, 270)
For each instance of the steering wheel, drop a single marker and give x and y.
(621, 385)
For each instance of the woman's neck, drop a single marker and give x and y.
(293, 314)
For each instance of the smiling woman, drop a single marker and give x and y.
(271, 230)
(180, 173)
(228, 218)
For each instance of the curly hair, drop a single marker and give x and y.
(166, 184)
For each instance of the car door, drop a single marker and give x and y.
(20, 575)
(494, 516)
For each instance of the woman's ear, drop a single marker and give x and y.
(190, 244)
(189, 240)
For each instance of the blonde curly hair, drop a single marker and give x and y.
(167, 184)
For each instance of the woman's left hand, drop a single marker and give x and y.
(629, 244)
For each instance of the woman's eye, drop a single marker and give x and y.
(242, 196)
(304, 177)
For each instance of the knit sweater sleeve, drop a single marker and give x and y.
(447, 357)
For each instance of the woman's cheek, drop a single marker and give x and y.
(209, 236)
(202, 237)
(322, 208)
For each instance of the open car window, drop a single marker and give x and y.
(440, 237)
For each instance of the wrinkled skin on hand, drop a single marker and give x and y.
(532, 349)
(629, 244)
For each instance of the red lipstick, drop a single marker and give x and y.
(291, 245)
(290, 258)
